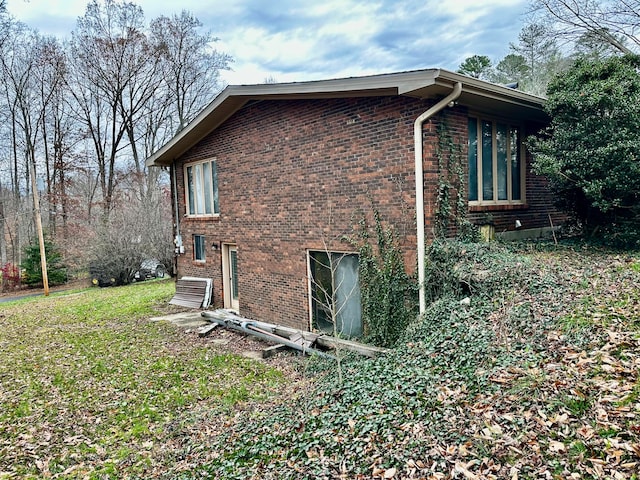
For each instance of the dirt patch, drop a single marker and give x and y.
(231, 341)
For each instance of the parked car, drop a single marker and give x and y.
(105, 275)
(150, 268)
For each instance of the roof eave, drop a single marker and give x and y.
(491, 97)
(216, 113)
(234, 97)
(420, 84)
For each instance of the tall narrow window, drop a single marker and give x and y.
(335, 293)
(494, 159)
(233, 265)
(230, 278)
(199, 248)
(202, 188)
(190, 193)
(473, 159)
(516, 189)
(208, 192)
(487, 160)
(501, 164)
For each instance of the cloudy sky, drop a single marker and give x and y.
(297, 40)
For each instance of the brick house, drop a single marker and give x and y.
(269, 178)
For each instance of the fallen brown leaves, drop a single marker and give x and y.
(544, 433)
(575, 413)
(566, 407)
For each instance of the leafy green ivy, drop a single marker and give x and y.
(451, 201)
(394, 408)
(388, 293)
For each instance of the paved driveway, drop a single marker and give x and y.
(18, 297)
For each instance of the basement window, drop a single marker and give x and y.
(335, 293)
(199, 248)
(496, 170)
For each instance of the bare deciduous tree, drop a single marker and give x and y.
(133, 232)
(106, 53)
(88, 112)
(28, 88)
(613, 22)
(191, 67)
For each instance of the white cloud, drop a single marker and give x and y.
(294, 41)
(24, 9)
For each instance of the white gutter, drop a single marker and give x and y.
(417, 138)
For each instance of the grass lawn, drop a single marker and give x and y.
(89, 388)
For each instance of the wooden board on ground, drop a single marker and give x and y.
(300, 340)
(273, 349)
(206, 329)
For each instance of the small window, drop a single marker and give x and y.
(199, 248)
(335, 293)
(495, 163)
(201, 182)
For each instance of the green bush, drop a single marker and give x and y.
(591, 150)
(56, 270)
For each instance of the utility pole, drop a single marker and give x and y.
(38, 218)
(3, 245)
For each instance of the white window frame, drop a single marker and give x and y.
(205, 202)
(229, 281)
(521, 160)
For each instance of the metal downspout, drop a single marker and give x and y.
(418, 151)
(178, 237)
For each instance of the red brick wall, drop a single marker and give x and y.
(295, 173)
(538, 206)
(292, 174)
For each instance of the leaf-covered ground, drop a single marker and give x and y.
(539, 377)
(89, 388)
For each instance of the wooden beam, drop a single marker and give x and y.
(273, 349)
(206, 329)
